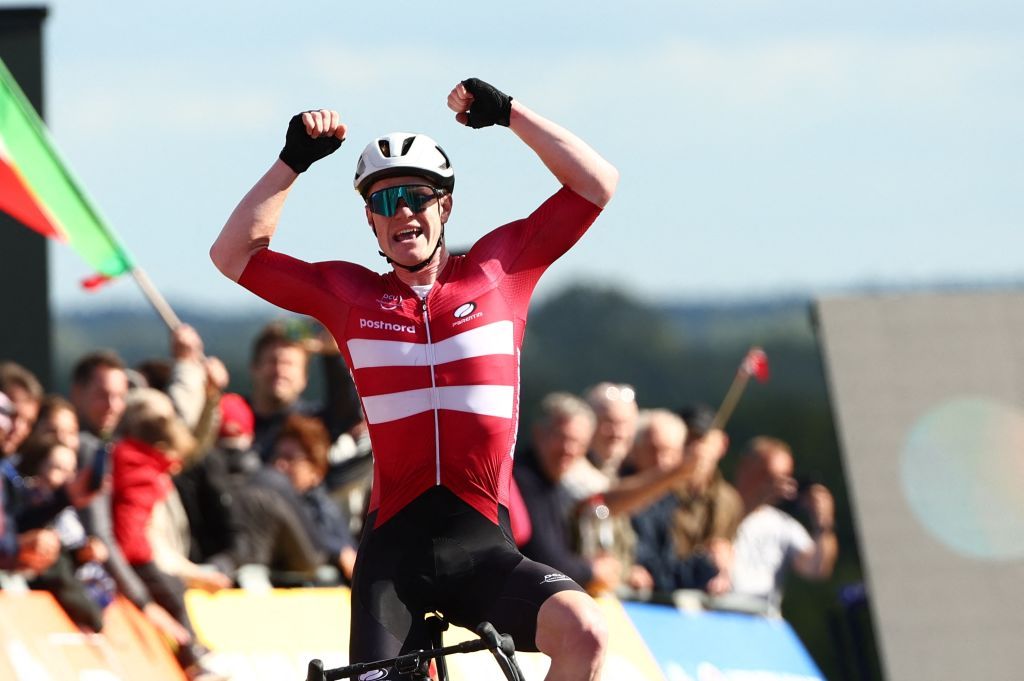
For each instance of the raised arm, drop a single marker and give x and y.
(311, 136)
(635, 492)
(571, 160)
(817, 561)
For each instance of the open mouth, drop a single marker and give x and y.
(407, 234)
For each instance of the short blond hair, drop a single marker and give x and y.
(149, 416)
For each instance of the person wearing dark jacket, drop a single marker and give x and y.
(561, 436)
(300, 455)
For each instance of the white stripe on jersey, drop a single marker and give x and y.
(491, 339)
(488, 400)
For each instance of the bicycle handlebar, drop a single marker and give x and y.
(503, 649)
(500, 645)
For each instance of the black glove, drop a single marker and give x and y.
(490, 105)
(300, 150)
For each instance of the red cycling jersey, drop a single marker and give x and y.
(438, 378)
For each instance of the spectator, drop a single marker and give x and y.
(57, 419)
(195, 383)
(659, 447)
(235, 516)
(8, 533)
(38, 544)
(169, 534)
(34, 550)
(616, 410)
(300, 454)
(24, 392)
(561, 436)
(153, 439)
(99, 385)
(709, 509)
(278, 369)
(590, 477)
(77, 578)
(769, 542)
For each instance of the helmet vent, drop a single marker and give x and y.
(385, 147)
(447, 163)
(407, 144)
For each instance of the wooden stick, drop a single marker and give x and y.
(155, 299)
(732, 398)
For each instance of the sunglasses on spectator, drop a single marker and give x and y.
(620, 393)
(416, 196)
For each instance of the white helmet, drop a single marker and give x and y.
(403, 153)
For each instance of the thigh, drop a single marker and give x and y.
(517, 596)
(382, 625)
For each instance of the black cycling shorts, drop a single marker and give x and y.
(438, 554)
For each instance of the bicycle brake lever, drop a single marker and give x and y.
(503, 648)
(315, 671)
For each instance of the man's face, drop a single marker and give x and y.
(279, 375)
(100, 401)
(26, 409)
(779, 481)
(616, 428)
(660, 448)
(563, 442)
(409, 237)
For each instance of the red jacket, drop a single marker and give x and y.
(140, 481)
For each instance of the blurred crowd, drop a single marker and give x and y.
(149, 480)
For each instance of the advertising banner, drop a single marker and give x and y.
(721, 646)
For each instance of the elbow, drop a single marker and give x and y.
(608, 181)
(231, 259)
(222, 261)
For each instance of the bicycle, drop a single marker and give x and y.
(417, 662)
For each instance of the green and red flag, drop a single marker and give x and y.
(38, 190)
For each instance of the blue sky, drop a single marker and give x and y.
(764, 146)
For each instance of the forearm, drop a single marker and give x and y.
(187, 390)
(635, 492)
(253, 222)
(827, 548)
(571, 160)
(819, 561)
(98, 522)
(341, 410)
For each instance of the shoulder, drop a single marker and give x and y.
(269, 264)
(725, 493)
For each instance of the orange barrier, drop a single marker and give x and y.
(257, 636)
(39, 643)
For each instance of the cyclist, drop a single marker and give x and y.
(434, 347)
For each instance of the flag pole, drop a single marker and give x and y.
(155, 299)
(755, 364)
(732, 398)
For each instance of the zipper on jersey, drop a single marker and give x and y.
(435, 401)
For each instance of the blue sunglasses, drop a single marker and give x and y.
(416, 196)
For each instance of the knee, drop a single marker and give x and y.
(591, 635)
(570, 624)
